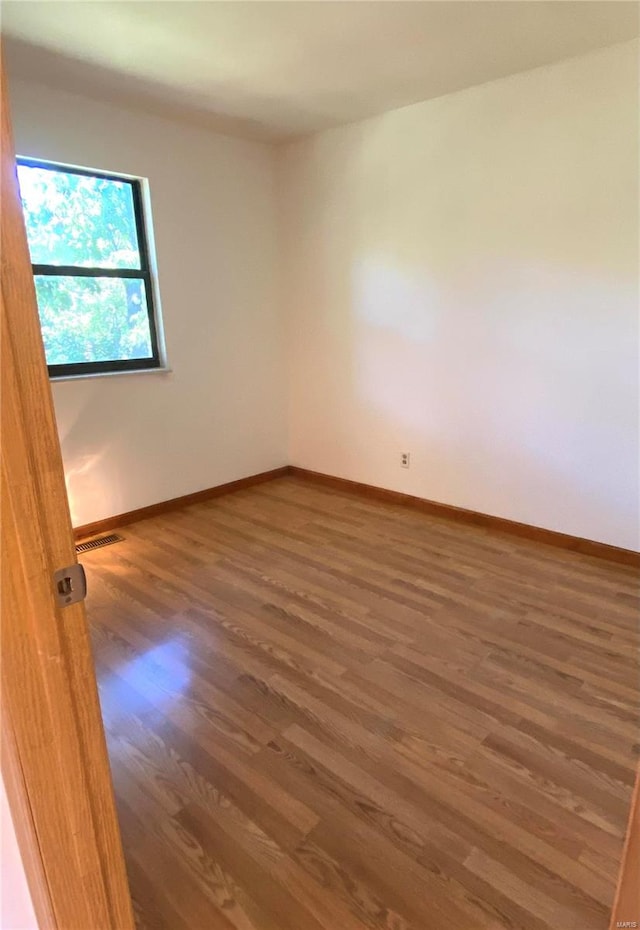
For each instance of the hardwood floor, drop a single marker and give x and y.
(327, 713)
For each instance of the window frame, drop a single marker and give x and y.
(144, 274)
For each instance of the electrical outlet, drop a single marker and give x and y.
(405, 459)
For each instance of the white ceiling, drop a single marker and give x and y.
(278, 69)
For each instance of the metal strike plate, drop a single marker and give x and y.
(70, 585)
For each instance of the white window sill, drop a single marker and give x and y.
(111, 374)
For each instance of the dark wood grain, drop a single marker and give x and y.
(325, 712)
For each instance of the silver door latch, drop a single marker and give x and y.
(70, 585)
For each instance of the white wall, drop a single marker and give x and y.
(132, 440)
(462, 284)
(16, 908)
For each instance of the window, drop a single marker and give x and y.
(91, 269)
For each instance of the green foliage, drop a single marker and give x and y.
(90, 319)
(85, 221)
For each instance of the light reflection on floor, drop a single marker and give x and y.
(161, 673)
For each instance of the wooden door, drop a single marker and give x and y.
(626, 907)
(54, 758)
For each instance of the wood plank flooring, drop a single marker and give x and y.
(327, 713)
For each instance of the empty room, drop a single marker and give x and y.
(320, 465)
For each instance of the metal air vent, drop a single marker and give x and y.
(98, 542)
